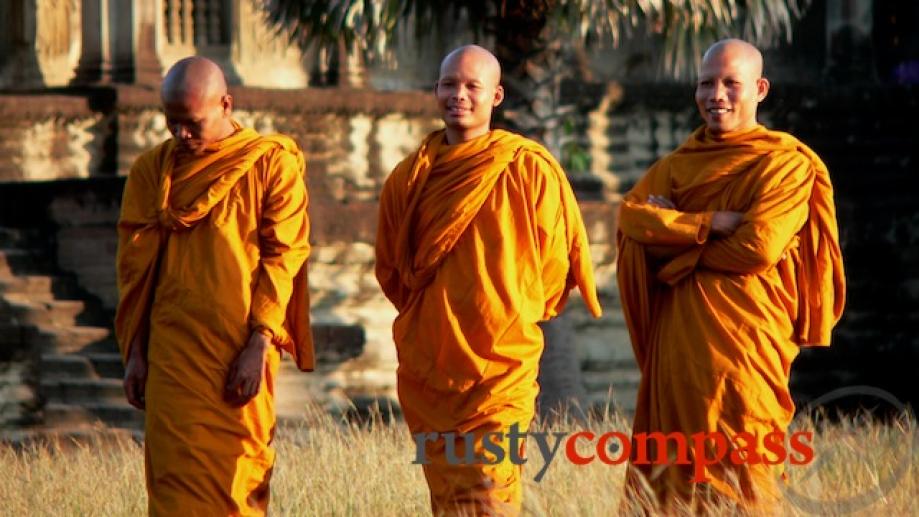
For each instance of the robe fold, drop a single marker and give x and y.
(716, 322)
(477, 242)
(212, 248)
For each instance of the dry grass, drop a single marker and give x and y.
(330, 468)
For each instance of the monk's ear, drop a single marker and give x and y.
(227, 103)
(762, 89)
(499, 96)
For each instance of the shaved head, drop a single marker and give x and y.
(746, 52)
(468, 89)
(196, 104)
(490, 67)
(196, 77)
(731, 86)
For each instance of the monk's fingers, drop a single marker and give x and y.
(663, 202)
(134, 391)
(233, 379)
(140, 390)
(659, 201)
(129, 390)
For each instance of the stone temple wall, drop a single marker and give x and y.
(352, 140)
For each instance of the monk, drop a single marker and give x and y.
(479, 238)
(728, 262)
(212, 250)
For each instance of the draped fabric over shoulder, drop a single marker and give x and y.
(212, 248)
(716, 322)
(477, 242)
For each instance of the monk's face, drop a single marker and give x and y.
(729, 90)
(467, 92)
(197, 119)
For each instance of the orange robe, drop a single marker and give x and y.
(477, 242)
(716, 322)
(210, 249)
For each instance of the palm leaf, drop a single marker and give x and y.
(685, 26)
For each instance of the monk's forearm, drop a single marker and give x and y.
(141, 340)
(655, 226)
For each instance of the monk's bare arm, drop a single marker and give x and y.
(768, 228)
(283, 242)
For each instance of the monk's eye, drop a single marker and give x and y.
(705, 83)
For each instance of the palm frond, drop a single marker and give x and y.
(685, 26)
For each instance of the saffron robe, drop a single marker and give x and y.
(212, 248)
(477, 242)
(716, 322)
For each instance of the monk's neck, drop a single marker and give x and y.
(459, 136)
(723, 136)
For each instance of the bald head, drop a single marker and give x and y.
(739, 49)
(468, 89)
(731, 86)
(193, 77)
(196, 104)
(486, 63)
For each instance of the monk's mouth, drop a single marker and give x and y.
(718, 111)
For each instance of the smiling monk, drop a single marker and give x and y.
(728, 262)
(212, 249)
(479, 238)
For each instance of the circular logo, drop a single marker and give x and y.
(882, 485)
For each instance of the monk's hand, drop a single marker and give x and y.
(246, 372)
(725, 223)
(135, 375)
(661, 202)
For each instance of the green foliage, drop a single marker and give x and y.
(686, 27)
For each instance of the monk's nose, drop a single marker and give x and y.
(181, 132)
(719, 91)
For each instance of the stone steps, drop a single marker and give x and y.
(94, 365)
(15, 261)
(43, 310)
(67, 366)
(108, 365)
(82, 391)
(27, 285)
(52, 339)
(112, 414)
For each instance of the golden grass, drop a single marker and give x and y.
(325, 467)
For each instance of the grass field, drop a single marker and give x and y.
(861, 467)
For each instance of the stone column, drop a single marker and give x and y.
(95, 64)
(119, 42)
(147, 67)
(38, 42)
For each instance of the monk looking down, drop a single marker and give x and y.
(728, 262)
(479, 239)
(212, 282)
